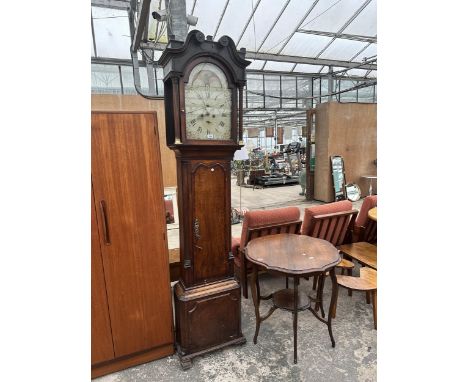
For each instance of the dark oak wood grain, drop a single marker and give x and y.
(292, 254)
(126, 174)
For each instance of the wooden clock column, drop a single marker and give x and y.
(207, 296)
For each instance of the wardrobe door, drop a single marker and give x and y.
(101, 336)
(127, 181)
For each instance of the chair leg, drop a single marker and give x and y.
(368, 297)
(374, 307)
(314, 285)
(350, 273)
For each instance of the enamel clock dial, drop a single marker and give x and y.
(207, 104)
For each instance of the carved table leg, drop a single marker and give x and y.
(253, 289)
(296, 282)
(332, 304)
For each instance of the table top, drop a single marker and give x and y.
(372, 214)
(292, 254)
(362, 251)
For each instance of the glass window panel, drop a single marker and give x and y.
(239, 11)
(372, 74)
(370, 51)
(265, 16)
(304, 89)
(331, 15)
(365, 24)
(144, 79)
(286, 25)
(256, 64)
(208, 13)
(306, 68)
(306, 45)
(357, 72)
(272, 88)
(127, 80)
(112, 32)
(342, 49)
(105, 79)
(255, 90)
(350, 96)
(366, 95)
(279, 66)
(324, 90)
(288, 90)
(316, 90)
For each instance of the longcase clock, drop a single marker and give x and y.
(203, 85)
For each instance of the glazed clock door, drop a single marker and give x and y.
(208, 101)
(211, 225)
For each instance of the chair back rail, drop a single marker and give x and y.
(335, 228)
(289, 227)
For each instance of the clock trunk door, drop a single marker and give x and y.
(211, 224)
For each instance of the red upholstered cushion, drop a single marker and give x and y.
(368, 203)
(323, 209)
(260, 218)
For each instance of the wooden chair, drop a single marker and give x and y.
(332, 222)
(367, 282)
(365, 229)
(262, 223)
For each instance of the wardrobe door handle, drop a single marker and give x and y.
(105, 224)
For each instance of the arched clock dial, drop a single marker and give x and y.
(207, 104)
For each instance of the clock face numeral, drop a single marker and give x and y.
(208, 103)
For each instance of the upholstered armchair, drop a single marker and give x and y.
(365, 229)
(332, 222)
(262, 222)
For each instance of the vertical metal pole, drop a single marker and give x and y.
(281, 92)
(121, 82)
(263, 79)
(330, 83)
(94, 39)
(296, 94)
(177, 19)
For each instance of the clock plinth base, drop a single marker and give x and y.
(207, 318)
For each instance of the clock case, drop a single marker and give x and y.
(207, 296)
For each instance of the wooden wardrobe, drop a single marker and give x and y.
(131, 303)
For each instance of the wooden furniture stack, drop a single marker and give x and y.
(131, 295)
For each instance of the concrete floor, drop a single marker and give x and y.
(353, 359)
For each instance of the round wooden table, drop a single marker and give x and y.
(372, 214)
(292, 256)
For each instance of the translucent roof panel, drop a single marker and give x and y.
(112, 32)
(331, 15)
(365, 24)
(264, 17)
(285, 26)
(342, 49)
(256, 64)
(370, 51)
(239, 11)
(279, 66)
(306, 45)
(208, 13)
(372, 74)
(357, 72)
(306, 68)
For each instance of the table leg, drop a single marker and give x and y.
(332, 304)
(254, 290)
(296, 283)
